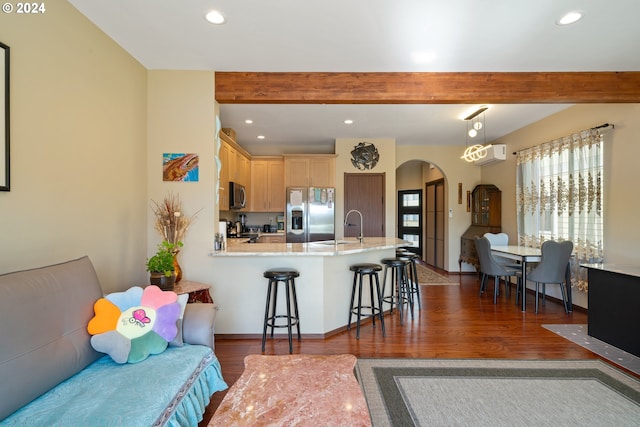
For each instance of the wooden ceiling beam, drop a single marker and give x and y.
(427, 88)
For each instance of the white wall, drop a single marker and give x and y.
(181, 119)
(78, 148)
(409, 176)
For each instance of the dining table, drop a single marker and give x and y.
(526, 255)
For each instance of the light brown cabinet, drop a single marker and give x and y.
(231, 162)
(245, 171)
(267, 184)
(239, 165)
(271, 238)
(486, 217)
(235, 166)
(243, 175)
(309, 170)
(223, 184)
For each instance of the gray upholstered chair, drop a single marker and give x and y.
(552, 269)
(501, 239)
(497, 239)
(490, 267)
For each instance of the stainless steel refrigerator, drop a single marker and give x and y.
(310, 214)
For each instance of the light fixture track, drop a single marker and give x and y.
(480, 110)
(475, 123)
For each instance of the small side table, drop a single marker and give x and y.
(198, 292)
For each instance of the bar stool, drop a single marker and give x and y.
(276, 276)
(400, 294)
(414, 287)
(372, 310)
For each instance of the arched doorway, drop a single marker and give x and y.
(418, 181)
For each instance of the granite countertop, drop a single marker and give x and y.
(324, 248)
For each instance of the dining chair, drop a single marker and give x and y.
(501, 239)
(552, 269)
(497, 239)
(490, 267)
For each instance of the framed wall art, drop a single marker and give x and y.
(4, 117)
(180, 167)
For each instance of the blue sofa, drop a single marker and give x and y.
(50, 375)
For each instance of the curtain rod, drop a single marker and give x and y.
(602, 126)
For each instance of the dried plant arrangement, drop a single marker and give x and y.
(171, 222)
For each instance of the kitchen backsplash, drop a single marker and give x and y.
(257, 219)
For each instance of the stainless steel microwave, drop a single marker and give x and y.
(237, 196)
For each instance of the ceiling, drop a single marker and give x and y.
(372, 36)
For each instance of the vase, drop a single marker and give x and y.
(176, 266)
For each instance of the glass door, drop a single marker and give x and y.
(410, 219)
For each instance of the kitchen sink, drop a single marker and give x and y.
(334, 242)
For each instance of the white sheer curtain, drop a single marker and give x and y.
(559, 196)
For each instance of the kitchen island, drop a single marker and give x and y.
(323, 288)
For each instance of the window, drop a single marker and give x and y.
(559, 193)
(410, 219)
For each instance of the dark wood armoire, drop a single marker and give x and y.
(486, 217)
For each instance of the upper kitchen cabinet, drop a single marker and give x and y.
(239, 165)
(223, 183)
(267, 184)
(308, 170)
(235, 166)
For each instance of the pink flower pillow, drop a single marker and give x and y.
(129, 326)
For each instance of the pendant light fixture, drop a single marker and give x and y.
(475, 126)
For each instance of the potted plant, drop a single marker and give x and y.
(172, 225)
(161, 266)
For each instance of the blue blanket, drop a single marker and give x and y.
(172, 388)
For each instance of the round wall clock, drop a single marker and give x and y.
(364, 156)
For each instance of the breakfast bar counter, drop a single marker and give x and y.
(239, 247)
(323, 288)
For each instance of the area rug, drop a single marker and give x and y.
(489, 392)
(578, 334)
(430, 277)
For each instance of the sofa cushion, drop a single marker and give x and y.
(131, 325)
(198, 325)
(178, 340)
(170, 389)
(53, 344)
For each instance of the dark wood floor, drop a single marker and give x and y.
(455, 322)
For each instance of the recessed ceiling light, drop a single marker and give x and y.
(348, 122)
(248, 121)
(260, 136)
(570, 18)
(215, 17)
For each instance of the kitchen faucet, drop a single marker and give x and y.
(346, 217)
